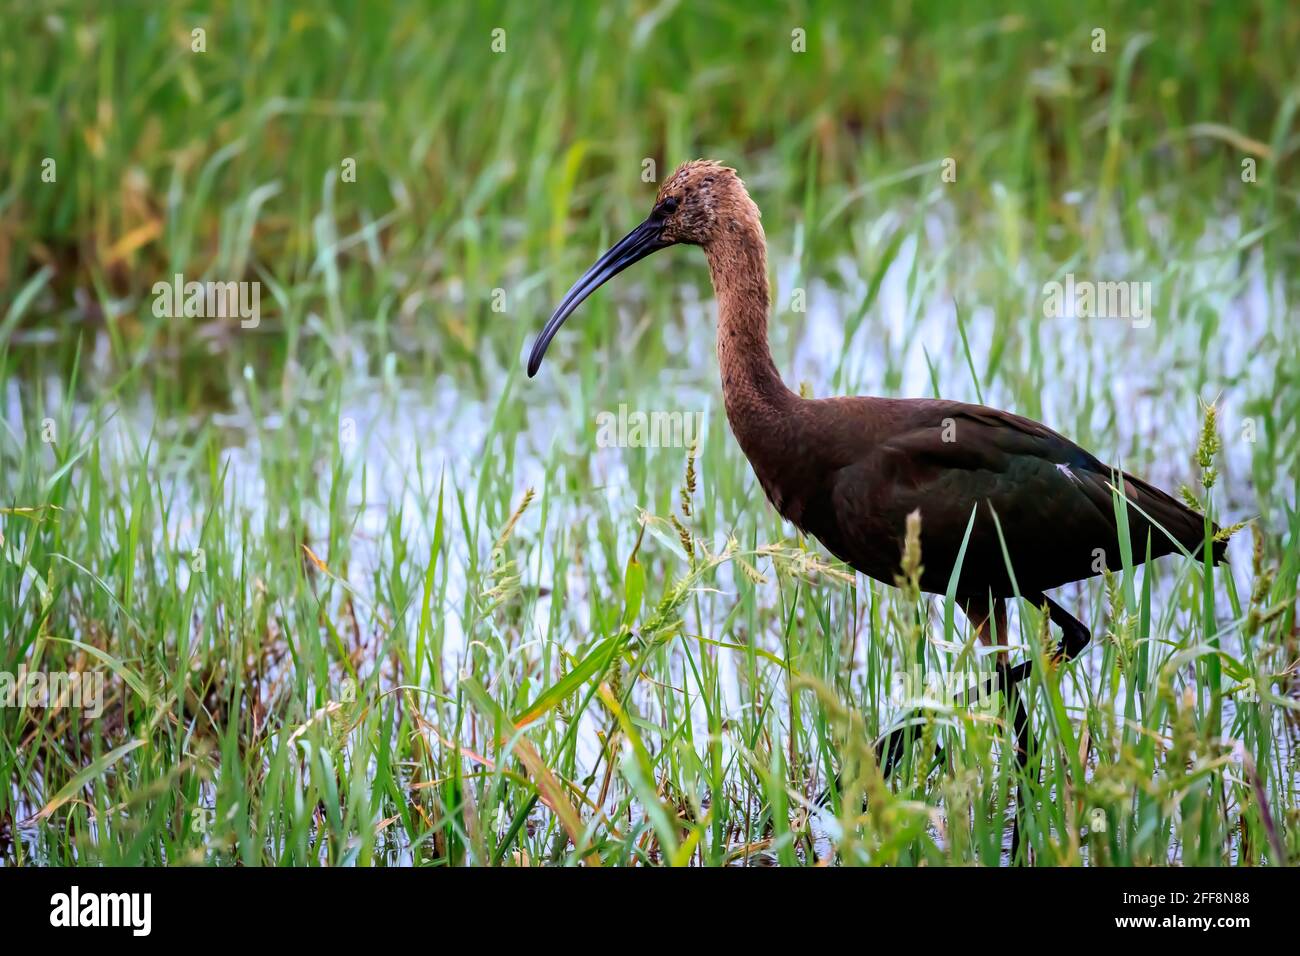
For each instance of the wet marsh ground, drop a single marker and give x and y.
(360, 592)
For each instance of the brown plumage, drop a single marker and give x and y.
(849, 470)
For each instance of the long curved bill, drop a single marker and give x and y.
(635, 246)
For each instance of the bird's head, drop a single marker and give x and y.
(700, 204)
(708, 200)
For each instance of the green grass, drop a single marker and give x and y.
(299, 554)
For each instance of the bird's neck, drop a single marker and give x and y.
(752, 389)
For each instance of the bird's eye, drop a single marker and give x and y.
(669, 205)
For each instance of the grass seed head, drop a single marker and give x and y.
(688, 484)
(1209, 446)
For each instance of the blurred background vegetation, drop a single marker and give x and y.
(478, 170)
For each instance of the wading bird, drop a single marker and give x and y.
(850, 470)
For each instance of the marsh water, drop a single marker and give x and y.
(402, 436)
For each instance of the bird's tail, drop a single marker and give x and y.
(1185, 525)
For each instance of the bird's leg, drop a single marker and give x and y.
(1021, 719)
(891, 746)
(1074, 635)
(1000, 626)
(1024, 743)
(1024, 740)
(1074, 638)
(978, 612)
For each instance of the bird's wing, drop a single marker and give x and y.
(1052, 499)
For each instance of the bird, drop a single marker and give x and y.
(1033, 510)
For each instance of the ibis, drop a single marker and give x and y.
(1025, 509)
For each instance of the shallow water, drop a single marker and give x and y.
(400, 435)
